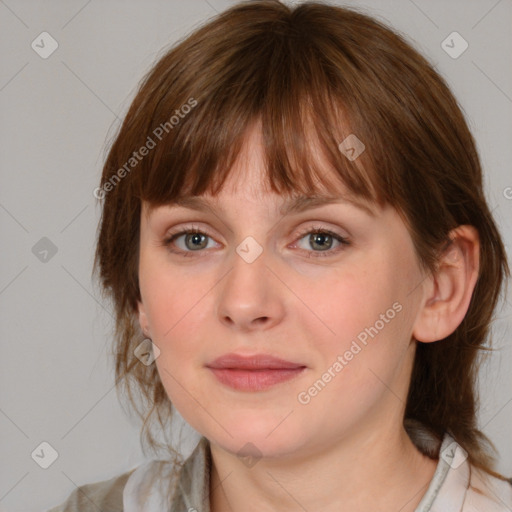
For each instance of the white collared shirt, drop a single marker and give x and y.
(455, 487)
(160, 485)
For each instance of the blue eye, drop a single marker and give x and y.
(323, 239)
(195, 241)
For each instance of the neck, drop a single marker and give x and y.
(362, 472)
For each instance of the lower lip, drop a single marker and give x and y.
(254, 380)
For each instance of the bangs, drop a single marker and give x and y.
(337, 99)
(310, 126)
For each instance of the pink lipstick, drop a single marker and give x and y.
(253, 373)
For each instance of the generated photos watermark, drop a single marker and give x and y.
(361, 341)
(151, 142)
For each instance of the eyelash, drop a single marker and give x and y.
(311, 230)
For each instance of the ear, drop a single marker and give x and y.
(449, 289)
(143, 319)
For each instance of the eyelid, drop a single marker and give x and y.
(343, 240)
(173, 234)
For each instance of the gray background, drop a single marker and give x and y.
(56, 378)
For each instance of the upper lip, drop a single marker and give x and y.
(254, 362)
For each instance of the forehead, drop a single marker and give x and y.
(287, 171)
(249, 180)
(286, 205)
(249, 173)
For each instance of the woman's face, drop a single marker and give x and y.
(257, 282)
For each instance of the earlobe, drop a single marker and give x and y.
(143, 319)
(450, 287)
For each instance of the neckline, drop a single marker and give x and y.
(446, 490)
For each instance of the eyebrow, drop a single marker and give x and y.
(295, 204)
(303, 203)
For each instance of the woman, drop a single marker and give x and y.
(302, 261)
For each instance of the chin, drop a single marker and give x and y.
(258, 437)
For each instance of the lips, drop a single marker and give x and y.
(253, 373)
(256, 362)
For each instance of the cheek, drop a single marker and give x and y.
(167, 294)
(352, 302)
(361, 351)
(365, 321)
(175, 309)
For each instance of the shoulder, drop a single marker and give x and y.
(149, 486)
(486, 492)
(457, 484)
(104, 495)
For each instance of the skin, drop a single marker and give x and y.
(346, 449)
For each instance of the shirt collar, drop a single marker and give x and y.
(158, 485)
(448, 487)
(155, 486)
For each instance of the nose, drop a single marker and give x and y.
(251, 295)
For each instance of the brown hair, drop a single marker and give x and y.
(317, 73)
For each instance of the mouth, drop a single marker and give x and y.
(253, 373)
